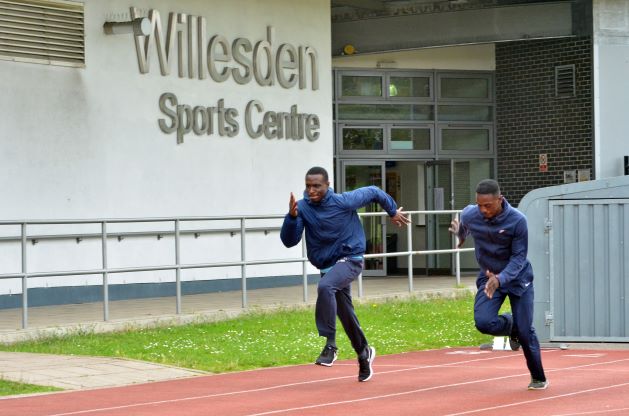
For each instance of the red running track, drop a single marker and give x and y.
(460, 381)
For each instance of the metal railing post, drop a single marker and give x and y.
(178, 268)
(457, 256)
(24, 280)
(243, 257)
(103, 229)
(360, 285)
(409, 242)
(304, 267)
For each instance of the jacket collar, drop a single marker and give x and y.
(506, 207)
(326, 197)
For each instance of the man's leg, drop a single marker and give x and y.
(338, 278)
(349, 320)
(522, 308)
(486, 315)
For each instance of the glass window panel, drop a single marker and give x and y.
(465, 88)
(465, 113)
(362, 139)
(361, 86)
(410, 139)
(465, 139)
(423, 112)
(385, 112)
(409, 87)
(366, 175)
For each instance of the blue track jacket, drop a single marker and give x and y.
(333, 229)
(501, 246)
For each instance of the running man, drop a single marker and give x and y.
(500, 235)
(335, 243)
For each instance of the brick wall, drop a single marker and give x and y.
(531, 121)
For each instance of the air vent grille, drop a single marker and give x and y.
(564, 81)
(50, 32)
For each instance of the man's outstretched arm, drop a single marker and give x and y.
(293, 226)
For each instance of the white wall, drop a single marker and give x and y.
(611, 86)
(85, 142)
(469, 57)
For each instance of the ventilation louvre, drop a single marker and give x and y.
(564, 81)
(42, 31)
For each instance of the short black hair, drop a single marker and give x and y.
(488, 187)
(318, 170)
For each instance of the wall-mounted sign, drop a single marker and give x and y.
(222, 120)
(569, 176)
(543, 162)
(240, 59)
(197, 55)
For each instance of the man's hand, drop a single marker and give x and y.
(492, 284)
(454, 229)
(400, 219)
(292, 206)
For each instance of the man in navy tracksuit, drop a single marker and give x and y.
(500, 235)
(335, 242)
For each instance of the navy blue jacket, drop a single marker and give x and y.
(501, 246)
(333, 229)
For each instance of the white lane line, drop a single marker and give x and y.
(595, 412)
(261, 389)
(183, 399)
(446, 386)
(559, 396)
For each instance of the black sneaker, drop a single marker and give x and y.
(514, 342)
(538, 384)
(365, 362)
(327, 356)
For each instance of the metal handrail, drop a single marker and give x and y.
(105, 271)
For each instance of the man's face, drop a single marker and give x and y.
(316, 187)
(489, 205)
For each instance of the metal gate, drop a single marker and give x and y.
(589, 270)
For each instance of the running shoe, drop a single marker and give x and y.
(327, 356)
(538, 384)
(365, 363)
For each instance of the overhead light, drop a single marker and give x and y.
(139, 27)
(349, 49)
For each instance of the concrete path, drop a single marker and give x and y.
(74, 372)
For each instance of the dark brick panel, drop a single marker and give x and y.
(531, 121)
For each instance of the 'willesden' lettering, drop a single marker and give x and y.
(240, 59)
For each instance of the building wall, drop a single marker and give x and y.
(611, 85)
(85, 142)
(469, 57)
(531, 121)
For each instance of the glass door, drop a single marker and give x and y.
(467, 174)
(439, 196)
(367, 173)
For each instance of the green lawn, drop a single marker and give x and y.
(284, 337)
(9, 388)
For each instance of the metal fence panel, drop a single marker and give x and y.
(589, 269)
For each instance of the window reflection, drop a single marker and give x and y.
(361, 86)
(465, 139)
(464, 88)
(410, 139)
(362, 139)
(409, 87)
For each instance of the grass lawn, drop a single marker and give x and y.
(9, 388)
(278, 338)
(268, 339)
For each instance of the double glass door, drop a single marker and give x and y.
(356, 175)
(417, 186)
